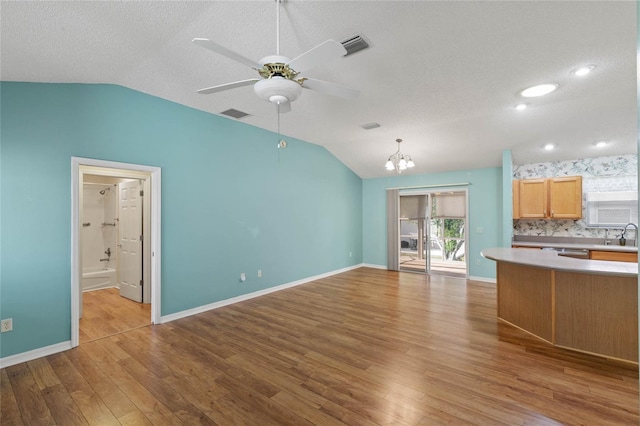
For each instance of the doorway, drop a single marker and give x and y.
(432, 233)
(123, 246)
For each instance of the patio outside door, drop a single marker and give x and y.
(432, 233)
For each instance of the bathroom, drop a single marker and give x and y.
(99, 233)
(111, 254)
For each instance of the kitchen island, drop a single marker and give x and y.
(585, 305)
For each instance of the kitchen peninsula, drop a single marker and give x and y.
(580, 304)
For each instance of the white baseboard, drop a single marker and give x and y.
(36, 353)
(371, 265)
(483, 279)
(241, 298)
(64, 346)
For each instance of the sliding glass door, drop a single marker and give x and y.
(432, 233)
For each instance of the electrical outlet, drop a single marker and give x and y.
(259, 273)
(350, 254)
(6, 325)
(243, 277)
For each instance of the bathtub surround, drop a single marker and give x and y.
(99, 235)
(601, 174)
(99, 279)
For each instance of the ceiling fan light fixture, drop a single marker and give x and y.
(277, 90)
(278, 99)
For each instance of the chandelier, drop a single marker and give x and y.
(398, 161)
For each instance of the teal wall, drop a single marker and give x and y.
(507, 198)
(231, 201)
(485, 211)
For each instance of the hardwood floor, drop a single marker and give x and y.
(366, 347)
(105, 313)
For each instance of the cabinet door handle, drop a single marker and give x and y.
(551, 213)
(544, 212)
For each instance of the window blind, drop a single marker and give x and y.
(450, 205)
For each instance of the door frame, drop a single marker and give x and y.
(429, 191)
(151, 177)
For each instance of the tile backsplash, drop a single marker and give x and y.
(617, 173)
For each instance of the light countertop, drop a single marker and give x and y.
(550, 260)
(602, 247)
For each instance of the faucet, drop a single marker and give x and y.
(606, 236)
(625, 230)
(108, 252)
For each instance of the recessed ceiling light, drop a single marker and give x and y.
(582, 71)
(549, 147)
(521, 107)
(539, 90)
(601, 144)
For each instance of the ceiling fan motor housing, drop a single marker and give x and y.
(277, 90)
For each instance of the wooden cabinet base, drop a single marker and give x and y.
(591, 313)
(597, 314)
(617, 256)
(526, 300)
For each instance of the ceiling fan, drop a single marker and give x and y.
(279, 82)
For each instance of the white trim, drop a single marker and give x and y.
(483, 279)
(130, 170)
(371, 265)
(242, 298)
(443, 185)
(36, 353)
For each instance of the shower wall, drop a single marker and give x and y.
(99, 226)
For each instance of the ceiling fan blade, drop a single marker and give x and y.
(221, 50)
(222, 87)
(320, 54)
(284, 107)
(330, 88)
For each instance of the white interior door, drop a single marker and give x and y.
(130, 246)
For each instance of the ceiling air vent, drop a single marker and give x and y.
(234, 113)
(354, 44)
(370, 126)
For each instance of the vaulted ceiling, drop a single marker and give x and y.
(443, 76)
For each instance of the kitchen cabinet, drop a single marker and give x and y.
(515, 185)
(589, 311)
(552, 198)
(620, 256)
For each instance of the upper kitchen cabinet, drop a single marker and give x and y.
(552, 198)
(533, 198)
(565, 197)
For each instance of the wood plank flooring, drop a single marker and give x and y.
(105, 313)
(366, 347)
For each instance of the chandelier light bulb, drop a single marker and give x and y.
(410, 163)
(389, 165)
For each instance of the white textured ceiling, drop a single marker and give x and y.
(443, 76)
